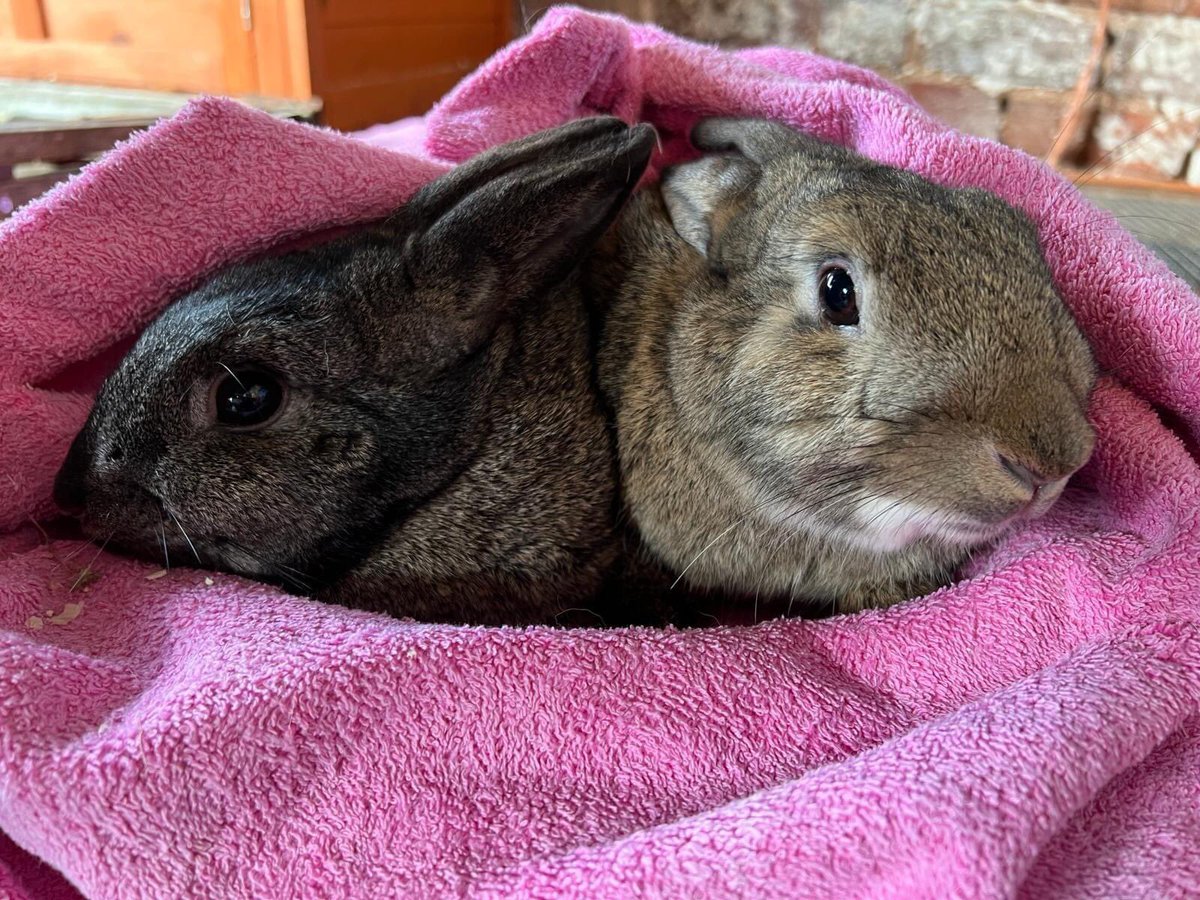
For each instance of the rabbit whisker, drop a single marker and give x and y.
(590, 612)
(86, 570)
(1091, 172)
(1119, 66)
(162, 535)
(736, 523)
(232, 375)
(297, 577)
(1105, 162)
(705, 549)
(179, 525)
(291, 577)
(70, 556)
(191, 387)
(845, 486)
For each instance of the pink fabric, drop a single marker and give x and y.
(1032, 731)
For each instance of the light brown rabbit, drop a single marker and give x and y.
(832, 379)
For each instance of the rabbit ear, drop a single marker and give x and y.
(513, 222)
(438, 197)
(759, 140)
(702, 196)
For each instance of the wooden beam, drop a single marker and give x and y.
(1082, 179)
(15, 193)
(152, 68)
(28, 22)
(281, 49)
(60, 141)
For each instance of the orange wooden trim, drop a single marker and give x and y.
(240, 74)
(339, 13)
(374, 61)
(296, 29)
(505, 22)
(1071, 121)
(314, 43)
(138, 67)
(28, 22)
(281, 49)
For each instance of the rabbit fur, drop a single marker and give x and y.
(439, 452)
(766, 451)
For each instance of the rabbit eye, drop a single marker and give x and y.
(247, 398)
(839, 300)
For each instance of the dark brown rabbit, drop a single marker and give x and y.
(832, 379)
(403, 419)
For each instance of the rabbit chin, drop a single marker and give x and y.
(157, 537)
(888, 525)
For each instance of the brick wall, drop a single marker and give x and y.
(1004, 69)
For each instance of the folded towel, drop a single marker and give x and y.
(1032, 731)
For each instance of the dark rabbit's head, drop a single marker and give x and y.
(286, 412)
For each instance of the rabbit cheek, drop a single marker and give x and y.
(338, 447)
(234, 558)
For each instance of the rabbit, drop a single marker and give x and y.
(403, 419)
(831, 380)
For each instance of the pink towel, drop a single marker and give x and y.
(1032, 731)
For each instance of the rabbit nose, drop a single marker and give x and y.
(108, 456)
(1028, 477)
(1049, 476)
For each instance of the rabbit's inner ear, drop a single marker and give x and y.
(702, 196)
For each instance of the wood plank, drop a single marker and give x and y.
(193, 45)
(363, 55)
(505, 22)
(314, 32)
(44, 102)
(281, 48)
(296, 27)
(338, 13)
(167, 24)
(58, 143)
(164, 69)
(17, 192)
(28, 22)
(353, 107)
(237, 47)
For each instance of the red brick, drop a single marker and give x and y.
(1034, 119)
(960, 106)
